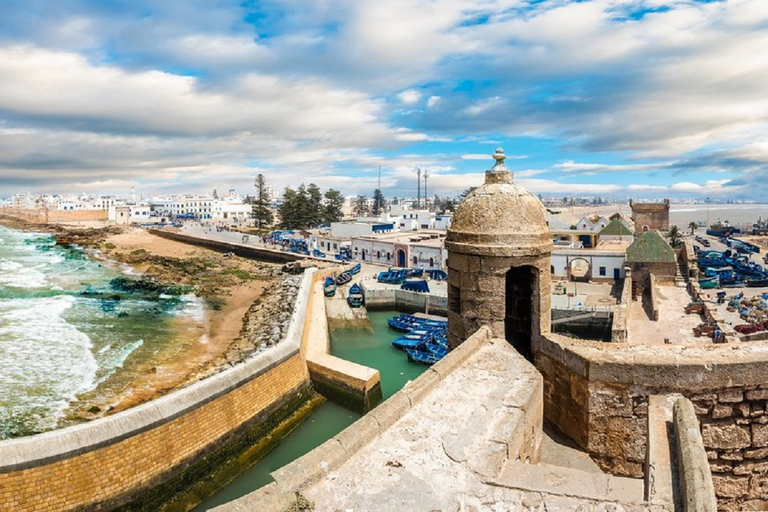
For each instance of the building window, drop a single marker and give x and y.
(389, 256)
(415, 260)
(378, 255)
(602, 271)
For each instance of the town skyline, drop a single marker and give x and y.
(645, 98)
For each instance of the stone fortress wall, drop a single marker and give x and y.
(115, 460)
(598, 394)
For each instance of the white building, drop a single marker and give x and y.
(414, 250)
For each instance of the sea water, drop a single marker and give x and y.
(372, 349)
(64, 333)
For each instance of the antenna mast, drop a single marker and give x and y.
(426, 197)
(418, 188)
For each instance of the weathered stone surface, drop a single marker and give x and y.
(725, 436)
(720, 467)
(758, 453)
(759, 436)
(757, 394)
(732, 456)
(758, 487)
(721, 411)
(732, 395)
(744, 409)
(730, 487)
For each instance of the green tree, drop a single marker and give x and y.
(693, 226)
(379, 203)
(289, 209)
(262, 213)
(674, 236)
(332, 207)
(360, 208)
(314, 206)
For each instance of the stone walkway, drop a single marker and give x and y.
(446, 454)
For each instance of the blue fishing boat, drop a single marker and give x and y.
(343, 278)
(710, 282)
(356, 297)
(439, 350)
(437, 274)
(420, 286)
(408, 342)
(422, 357)
(329, 287)
(757, 282)
(355, 268)
(414, 272)
(317, 253)
(391, 277)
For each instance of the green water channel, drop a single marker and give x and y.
(370, 349)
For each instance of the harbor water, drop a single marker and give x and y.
(67, 337)
(370, 349)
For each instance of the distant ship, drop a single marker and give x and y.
(722, 229)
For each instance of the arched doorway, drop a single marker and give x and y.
(401, 258)
(521, 285)
(580, 270)
(363, 254)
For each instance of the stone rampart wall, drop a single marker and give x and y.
(353, 385)
(119, 459)
(620, 313)
(239, 250)
(598, 395)
(654, 296)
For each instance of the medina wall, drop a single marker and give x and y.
(598, 395)
(119, 459)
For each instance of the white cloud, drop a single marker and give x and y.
(409, 97)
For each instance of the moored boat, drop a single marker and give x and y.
(419, 285)
(710, 282)
(354, 269)
(356, 297)
(419, 356)
(329, 287)
(343, 278)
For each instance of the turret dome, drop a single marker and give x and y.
(500, 217)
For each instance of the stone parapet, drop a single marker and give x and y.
(598, 394)
(696, 486)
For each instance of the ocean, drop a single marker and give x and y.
(67, 337)
(736, 214)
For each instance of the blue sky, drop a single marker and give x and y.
(627, 98)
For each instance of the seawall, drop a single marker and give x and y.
(353, 385)
(170, 441)
(244, 251)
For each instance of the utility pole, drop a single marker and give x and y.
(418, 188)
(426, 197)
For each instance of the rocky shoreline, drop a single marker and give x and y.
(259, 296)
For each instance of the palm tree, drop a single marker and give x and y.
(693, 226)
(675, 238)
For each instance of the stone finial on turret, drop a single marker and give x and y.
(499, 172)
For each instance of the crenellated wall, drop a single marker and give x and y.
(117, 459)
(598, 395)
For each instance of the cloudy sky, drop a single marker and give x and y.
(629, 98)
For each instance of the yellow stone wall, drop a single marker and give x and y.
(118, 471)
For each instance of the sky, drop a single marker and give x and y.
(621, 98)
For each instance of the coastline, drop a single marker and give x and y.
(229, 286)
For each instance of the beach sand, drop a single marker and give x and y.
(198, 351)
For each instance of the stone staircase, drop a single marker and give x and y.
(681, 274)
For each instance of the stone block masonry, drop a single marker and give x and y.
(119, 459)
(598, 394)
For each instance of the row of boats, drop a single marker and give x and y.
(356, 294)
(399, 276)
(730, 269)
(422, 339)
